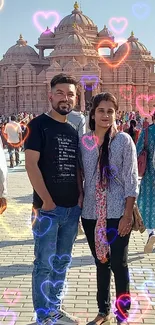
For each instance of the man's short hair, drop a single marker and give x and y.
(63, 78)
(13, 118)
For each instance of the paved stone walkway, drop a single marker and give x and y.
(16, 258)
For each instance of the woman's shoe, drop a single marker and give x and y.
(100, 319)
(150, 243)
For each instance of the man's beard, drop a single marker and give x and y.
(62, 110)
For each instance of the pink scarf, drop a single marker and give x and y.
(101, 243)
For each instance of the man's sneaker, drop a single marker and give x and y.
(122, 322)
(47, 321)
(100, 319)
(63, 318)
(149, 245)
(119, 319)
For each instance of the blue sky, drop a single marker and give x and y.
(17, 17)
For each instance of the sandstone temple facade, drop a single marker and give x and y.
(75, 44)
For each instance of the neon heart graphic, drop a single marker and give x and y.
(11, 292)
(118, 20)
(1, 4)
(44, 226)
(141, 10)
(124, 299)
(10, 314)
(88, 141)
(121, 60)
(19, 144)
(17, 210)
(124, 90)
(49, 284)
(68, 262)
(101, 236)
(113, 171)
(140, 108)
(83, 82)
(46, 15)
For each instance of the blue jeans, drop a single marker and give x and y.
(54, 234)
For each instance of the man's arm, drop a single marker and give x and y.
(36, 179)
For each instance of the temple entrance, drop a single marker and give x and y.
(88, 95)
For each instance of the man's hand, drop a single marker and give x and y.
(3, 205)
(48, 205)
(125, 224)
(80, 200)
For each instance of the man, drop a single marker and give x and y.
(51, 158)
(77, 119)
(13, 134)
(3, 179)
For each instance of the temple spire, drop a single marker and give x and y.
(76, 6)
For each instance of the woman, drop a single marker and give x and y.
(111, 186)
(134, 133)
(146, 198)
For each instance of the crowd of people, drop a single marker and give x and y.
(72, 170)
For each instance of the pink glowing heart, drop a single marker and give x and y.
(13, 292)
(118, 20)
(124, 299)
(46, 15)
(1, 4)
(140, 108)
(10, 314)
(88, 143)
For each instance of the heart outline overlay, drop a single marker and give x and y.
(1, 4)
(139, 5)
(141, 109)
(5, 313)
(46, 312)
(132, 315)
(46, 15)
(107, 231)
(54, 285)
(111, 168)
(122, 59)
(3, 217)
(19, 144)
(14, 291)
(130, 87)
(90, 138)
(118, 19)
(45, 231)
(60, 257)
(88, 77)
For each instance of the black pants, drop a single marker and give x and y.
(117, 262)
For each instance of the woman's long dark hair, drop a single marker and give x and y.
(131, 128)
(104, 149)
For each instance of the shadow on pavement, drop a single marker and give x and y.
(16, 242)
(24, 199)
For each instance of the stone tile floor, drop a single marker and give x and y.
(16, 258)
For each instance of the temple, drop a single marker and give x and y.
(76, 46)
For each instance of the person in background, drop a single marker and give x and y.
(145, 123)
(13, 133)
(77, 120)
(3, 179)
(146, 198)
(132, 131)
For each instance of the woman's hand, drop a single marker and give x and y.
(125, 224)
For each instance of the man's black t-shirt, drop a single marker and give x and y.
(58, 146)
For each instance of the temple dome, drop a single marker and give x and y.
(20, 52)
(136, 48)
(105, 32)
(76, 17)
(75, 39)
(47, 34)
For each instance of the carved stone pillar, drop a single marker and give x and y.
(82, 101)
(41, 53)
